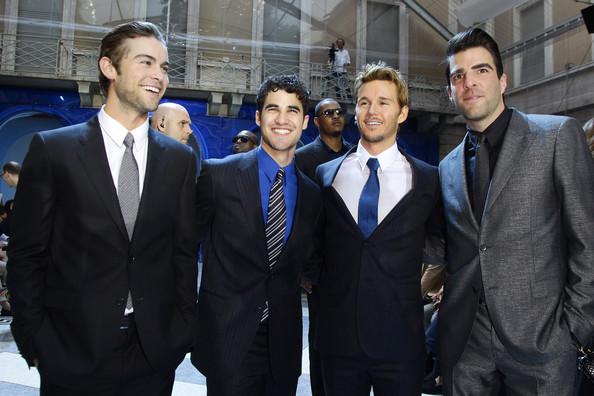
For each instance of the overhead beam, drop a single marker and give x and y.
(547, 34)
(425, 15)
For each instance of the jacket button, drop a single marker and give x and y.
(483, 248)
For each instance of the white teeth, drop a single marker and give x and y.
(152, 89)
(282, 131)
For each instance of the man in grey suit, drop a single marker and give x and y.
(517, 195)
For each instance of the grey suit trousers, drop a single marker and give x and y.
(486, 368)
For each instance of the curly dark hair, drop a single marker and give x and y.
(289, 83)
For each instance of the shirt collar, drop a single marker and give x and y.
(117, 132)
(386, 158)
(495, 132)
(269, 167)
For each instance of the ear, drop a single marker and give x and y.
(258, 118)
(403, 115)
(316, 121)
(107, 68)
(503, 83)
(305, 122)
(450, 94)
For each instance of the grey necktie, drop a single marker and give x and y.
(128, 192)
(276, 224)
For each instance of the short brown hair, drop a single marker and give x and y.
(379, 71)
(113, 47)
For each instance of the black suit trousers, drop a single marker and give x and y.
(254, 377)
(357, 375)
(125, 372)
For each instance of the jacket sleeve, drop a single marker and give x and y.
(28, 250)
(574, 182)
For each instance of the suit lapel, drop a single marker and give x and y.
(516, 140)
(457, 182)
(94, 160)
(248, 185)
(156, 171)
(328, 179)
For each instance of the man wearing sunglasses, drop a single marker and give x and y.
(329, 118)
(244, 141)
(329, 144)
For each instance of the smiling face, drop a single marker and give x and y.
(475, 88)
(281, 121)
(140, 80)
(379, 115)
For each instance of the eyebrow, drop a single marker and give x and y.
(380, 98)
(473, 67)
(275, 106)
(166, 63)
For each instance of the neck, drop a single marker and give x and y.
(282, 158)
(376, 148)
(129, 119)
(334, 142)
(482, 124)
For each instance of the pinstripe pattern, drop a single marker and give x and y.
(276, 224)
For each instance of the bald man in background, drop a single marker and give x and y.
(174, 121)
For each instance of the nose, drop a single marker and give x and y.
(469, 80)
(281, 118)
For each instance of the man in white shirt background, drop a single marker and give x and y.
(380, 206)
(341, 60)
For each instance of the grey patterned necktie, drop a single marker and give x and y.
(276, 223)
(128, 192)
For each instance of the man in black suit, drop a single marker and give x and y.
(379, 205)
(257, 215)
(102, 260)
(329, 118)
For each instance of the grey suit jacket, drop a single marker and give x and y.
(534, 250)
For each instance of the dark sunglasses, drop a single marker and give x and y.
(332, 112)
(243, 139)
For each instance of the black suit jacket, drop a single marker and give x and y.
(71, 262)
(370, 298)
(236, 280)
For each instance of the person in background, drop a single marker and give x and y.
(244, 141)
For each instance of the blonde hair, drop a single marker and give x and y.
(379, 71)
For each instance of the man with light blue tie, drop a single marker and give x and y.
(380, 207)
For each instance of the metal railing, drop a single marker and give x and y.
(205, 70)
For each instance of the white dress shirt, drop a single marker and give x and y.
(113, 138)
(394, 174)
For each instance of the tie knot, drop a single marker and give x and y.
(129, 140)
(279, 175)
(373, 164)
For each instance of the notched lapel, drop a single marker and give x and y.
(458, 182)
(94, 160)
(517, 139)
(155, 175)
(248, 186)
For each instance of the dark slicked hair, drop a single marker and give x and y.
(113, 44)
(12, 167)
(472, 38)
(289, 83)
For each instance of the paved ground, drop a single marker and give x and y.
(17, 380)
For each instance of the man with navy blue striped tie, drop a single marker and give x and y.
(258, 214)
